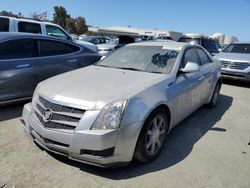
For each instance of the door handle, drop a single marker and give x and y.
(201, 78)
(23, 66)
(72, 61)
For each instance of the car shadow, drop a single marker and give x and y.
(11, 111)
(178, 146)
(236, 83)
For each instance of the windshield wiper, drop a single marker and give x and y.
(101, 65)
(129, 68)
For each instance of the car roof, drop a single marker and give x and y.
(14, 35)
(166, 44)
(241, 42)
(29, 20)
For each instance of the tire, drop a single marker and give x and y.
(214, 100)
(152, 136)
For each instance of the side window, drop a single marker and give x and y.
(190, 56)
(207, 45)
(16, 49)
(203, 57)
(56, 32)
(28, 27)
(217, 45)
(52, 48)
(4, 24)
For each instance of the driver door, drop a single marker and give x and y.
(186, 92)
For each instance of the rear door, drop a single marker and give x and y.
(16, 75)
(56, 57)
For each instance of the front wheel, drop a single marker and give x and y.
(214, 100)
(152, 137)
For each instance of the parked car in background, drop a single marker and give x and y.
(12, 24)
(223, 46)
(130, 102)
(212, 46)
(104, 45)
(27, 59)
(74, 36)
(235, 61)
(144, 38)
(164, 38)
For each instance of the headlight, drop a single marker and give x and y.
(110, 116)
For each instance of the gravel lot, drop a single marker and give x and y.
(209, 149)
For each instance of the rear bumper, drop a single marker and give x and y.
(104, 148)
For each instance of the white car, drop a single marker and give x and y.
(11, 24)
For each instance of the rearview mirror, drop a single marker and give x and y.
(190, 67)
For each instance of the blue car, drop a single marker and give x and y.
(27, 59)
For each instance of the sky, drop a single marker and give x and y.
(231, 17)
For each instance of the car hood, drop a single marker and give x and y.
(93, 87)
(233, 57)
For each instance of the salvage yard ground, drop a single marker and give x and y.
(209, 149)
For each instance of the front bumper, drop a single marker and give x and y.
(235, 75)
(104, 148)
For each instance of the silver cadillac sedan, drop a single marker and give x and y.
(123, 107)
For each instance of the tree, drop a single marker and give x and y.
(70, 25)
(6, 13)
(60, 16)
(80, 25)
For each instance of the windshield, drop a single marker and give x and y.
(154, 59)
(190, 40)
(238, 48)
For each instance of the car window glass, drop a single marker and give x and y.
(4, 24)
(51, 48)
(207, 45)
(28, 27)
(55, 32)
(190, 56)
(16, 49)
(204, 59)
(142, 58)
(217, 45)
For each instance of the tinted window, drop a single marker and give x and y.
(238, 48)
(50, 48)
(204, 59)
(28, 27)
(16, 49)
(56, 32)
(4, 24)
(190, 56)
(207, 45)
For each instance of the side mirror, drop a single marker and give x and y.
(190, 67)
(219, 50)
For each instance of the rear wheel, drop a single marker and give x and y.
(214, 100)
(152, 137)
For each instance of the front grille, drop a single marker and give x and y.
(62, 117)
(235, 65)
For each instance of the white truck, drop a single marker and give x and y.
(12, 24)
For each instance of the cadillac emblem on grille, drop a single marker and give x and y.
(47, 115)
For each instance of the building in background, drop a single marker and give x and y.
(230, 39)
(130, 31)
(220, 37)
